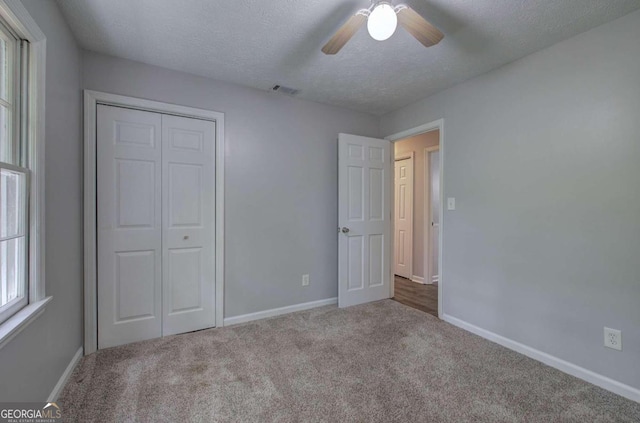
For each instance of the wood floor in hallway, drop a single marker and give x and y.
(418, 296)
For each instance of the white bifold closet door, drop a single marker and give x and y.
(156, 230)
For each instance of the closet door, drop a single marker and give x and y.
(129, 164)
(188, 235)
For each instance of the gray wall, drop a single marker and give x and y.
(34, 360)
(280, 179)
(543, 158)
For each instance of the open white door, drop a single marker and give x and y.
(364, 216)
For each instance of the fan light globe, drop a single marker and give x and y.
(382, 22)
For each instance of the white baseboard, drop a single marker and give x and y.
(228, 321)
(418, 279)
(53, 397)
(435, 279)
(564, 366)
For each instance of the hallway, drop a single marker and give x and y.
(418, 296)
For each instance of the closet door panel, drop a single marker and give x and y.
(188, 210)
(129, 165)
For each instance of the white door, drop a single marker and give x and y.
(129, 226)
(364, 216)
(156, 231)
(403, 237)
(188, 214)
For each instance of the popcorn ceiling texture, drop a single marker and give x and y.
(380, 362)
(262, 43)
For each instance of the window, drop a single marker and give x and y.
(14, 175)
(22, 110)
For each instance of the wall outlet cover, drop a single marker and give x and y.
(305, 280)
(613, 338)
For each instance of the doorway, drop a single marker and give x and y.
(417, 221)
(366, 218)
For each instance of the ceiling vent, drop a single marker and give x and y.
(285, 90)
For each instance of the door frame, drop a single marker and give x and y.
(428, 218)
(406, 156)
(428, 127)
(91, 101)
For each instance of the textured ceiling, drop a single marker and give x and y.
(260, 43)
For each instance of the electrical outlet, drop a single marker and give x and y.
(613, 339)
(305, 280)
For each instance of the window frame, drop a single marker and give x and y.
(17, 19)
(15, 151)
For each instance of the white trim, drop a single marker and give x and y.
(439, 125)
(91, 100)
(427, 127)
(405, 156)
(428, 218)
(53, 396)
(278, 311)
(20, 20)
(37, 147)
(19, 321)
(418, 279)
(564, 366)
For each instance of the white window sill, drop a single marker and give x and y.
(16, 323)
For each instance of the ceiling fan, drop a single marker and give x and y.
(382, 19)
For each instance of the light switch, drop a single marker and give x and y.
(451, 203)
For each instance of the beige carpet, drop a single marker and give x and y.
(381, 362)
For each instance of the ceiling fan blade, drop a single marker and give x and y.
(418, 26)
(345, 33)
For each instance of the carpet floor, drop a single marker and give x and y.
(379, 362)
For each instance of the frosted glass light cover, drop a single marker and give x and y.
(382, 22)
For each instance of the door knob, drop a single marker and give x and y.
(345, 230)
